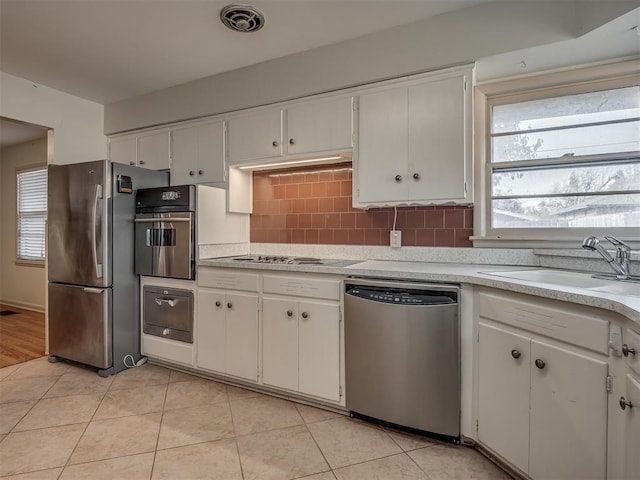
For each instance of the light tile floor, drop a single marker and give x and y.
(60, 421)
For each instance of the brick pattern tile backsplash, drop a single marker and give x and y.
(312, 205)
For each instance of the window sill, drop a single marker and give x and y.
(30, 263)
(565, 245)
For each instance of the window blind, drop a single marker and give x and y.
(32, 213)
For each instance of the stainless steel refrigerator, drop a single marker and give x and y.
(94, 301)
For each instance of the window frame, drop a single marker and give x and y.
(547, 85)
(20, 260)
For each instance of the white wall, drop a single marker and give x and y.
(20, 285)
(452, 38)
(78, 124)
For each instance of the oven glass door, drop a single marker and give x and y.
(164, 245)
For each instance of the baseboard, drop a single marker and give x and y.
(24, 305)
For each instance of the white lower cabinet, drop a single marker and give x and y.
(542, 406)
(227, 338)
(631, 403)
(300, 346)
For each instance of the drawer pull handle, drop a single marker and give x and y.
(540, 363)
(515, 353)
(289, 313)
(218, 303)
(624, 404)
(229, 305)
(626, 350)
(170, 302)
(305, 315)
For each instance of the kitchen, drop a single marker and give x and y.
(125, 119)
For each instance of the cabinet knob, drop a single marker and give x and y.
(305, 315)
(624, 404)
(166, 332)
(398, 178)
(192, 173)
(229, 305)
(292, 141)
(289, 313)
(416, 176)
(275, 143)
(200, 172)
(218, 303)
(516, 353)
(141, 162)
(132, 163)
(626, 350)
(540, 363)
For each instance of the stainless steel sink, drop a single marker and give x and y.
(571, 279)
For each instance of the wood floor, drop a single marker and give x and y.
(21, 336)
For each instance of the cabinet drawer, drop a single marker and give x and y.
(219, 278)
(577, 329)
(632, 339)
(302, 287)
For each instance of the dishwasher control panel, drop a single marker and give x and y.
(401, 296)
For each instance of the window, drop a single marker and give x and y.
(32, 214)
(564, 162)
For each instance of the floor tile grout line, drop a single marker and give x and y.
(317, 445)
(235, 433)
(155, 450)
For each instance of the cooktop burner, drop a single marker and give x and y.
(293, 260)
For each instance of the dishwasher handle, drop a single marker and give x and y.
(400, 296)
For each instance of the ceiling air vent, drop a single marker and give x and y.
(242, 18)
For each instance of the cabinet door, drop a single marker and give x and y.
(153, 151)
(568, 415)
(503, 394)
(123, 149)
(437, 140)
(319, 126)
(211, 330)
(632, 429)
(319, 349)
(198, 154)
(382, 146)
(255, 136)
(241, 341)
(280, 343)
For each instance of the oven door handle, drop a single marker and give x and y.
(171, 302)
(159, 220)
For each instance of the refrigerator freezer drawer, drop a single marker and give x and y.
(79, 324)
(168, 313)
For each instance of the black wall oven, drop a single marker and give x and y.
(165, 232)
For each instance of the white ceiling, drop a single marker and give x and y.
(108, 50)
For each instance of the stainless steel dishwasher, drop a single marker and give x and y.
(402, 354)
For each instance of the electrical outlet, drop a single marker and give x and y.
(395, 238)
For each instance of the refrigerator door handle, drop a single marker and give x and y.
(94, 243)
(93, 290)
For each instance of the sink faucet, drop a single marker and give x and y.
(620, 263)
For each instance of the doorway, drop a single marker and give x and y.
(24, 151)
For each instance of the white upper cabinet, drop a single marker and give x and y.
(301, 129)
(198, 154)
(149, 149)
(123, 149)
(414, 142)
(255, 136)
(319, 126)
(154, 150)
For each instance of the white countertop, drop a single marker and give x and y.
(627, 304)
